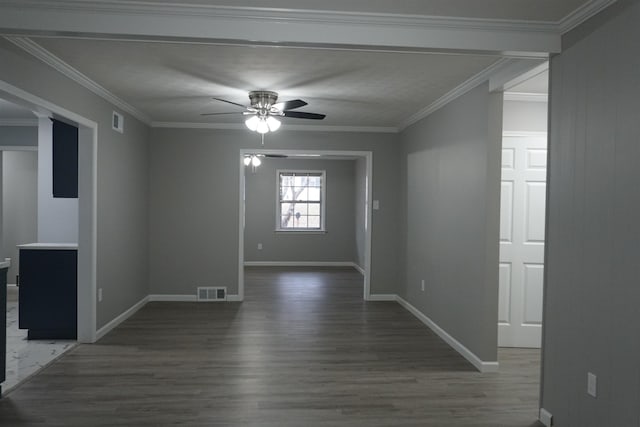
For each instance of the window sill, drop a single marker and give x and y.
(299, 231)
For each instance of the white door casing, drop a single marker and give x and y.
(522, 225)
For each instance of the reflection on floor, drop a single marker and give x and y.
(25, 358)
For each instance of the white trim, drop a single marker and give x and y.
(521, 77)
(286, 127)
(523, 134)
(360, 269)
(19, 122)
(299, 264)
(172, 298)
(545, 417)
(175, 21)
(121, 318)
(67, 70)
(582, 13)
(18, 148)
(234, 298)
(481, 365)
(456, 92)
(526, 97)
(382, 297)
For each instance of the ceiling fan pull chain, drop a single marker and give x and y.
(262, 135)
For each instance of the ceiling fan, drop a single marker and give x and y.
(264, 110)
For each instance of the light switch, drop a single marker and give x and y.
(592, 384)
(376, 205)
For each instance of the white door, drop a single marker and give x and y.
(522, 223)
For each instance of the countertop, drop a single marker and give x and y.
(6, 263)
(49, 246)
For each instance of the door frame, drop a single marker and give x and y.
(367, 155)
(87, 202)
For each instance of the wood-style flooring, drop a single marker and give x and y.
(303, 349)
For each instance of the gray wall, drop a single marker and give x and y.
(19, 136)
(525, 116)
(360, 210)
(591, 318)
(19, 204)
(336, 245)
(194, 203)
(451, 173)
(122, 235)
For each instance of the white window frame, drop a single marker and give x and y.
(323, 201)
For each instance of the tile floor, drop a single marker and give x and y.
(26, 357)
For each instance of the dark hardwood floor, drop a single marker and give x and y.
(304, 349)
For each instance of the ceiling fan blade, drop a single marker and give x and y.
(219, 114)
(304, 115)
(228, 102)
(276, 156)
(290, 105)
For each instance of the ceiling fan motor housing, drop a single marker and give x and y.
(262, 99)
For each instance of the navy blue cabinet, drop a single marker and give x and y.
(48, 293)
(65, 160)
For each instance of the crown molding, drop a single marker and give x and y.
(581, 14)
(19, 122)
(67, 70)
(526, 97)
(457, 92)
(284, 128)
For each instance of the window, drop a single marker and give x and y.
(301, 198)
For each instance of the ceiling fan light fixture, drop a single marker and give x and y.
(252, 123)
(255, 161)
(247, 160)
(262, 126)
(273, 123)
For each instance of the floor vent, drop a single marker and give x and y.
(212, 294)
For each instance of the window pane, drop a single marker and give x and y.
(286, 221)
(313, 193)
(314, 209)
(313, 221)
(300, 209)
(314, 181)
(301, 181)
(302, 193)
(300, 222)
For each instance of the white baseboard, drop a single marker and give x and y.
(480, 365)
(300, 264)
(381, 297)
(121, 318)
(172, 298)
(545, 417)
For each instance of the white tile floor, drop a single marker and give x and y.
(26, 357)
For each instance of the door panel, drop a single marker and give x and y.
(522, 228)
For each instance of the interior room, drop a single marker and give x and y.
(462, 252)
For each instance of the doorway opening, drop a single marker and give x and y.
(84, 227)
(271, 245)
(523, 211)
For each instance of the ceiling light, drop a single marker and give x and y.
(247, 160)
(252, 123)
(262, 127)
(273, 123)
(255, 161)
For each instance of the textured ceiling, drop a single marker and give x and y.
(532, 10)
(173, 82)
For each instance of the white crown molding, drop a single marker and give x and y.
(526, 97)
(19, 122)
(137, 20)
(67, 70)
(581, 14)
(455, 93)
(284, 128)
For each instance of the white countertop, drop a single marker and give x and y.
(6, 263)
(49, 246)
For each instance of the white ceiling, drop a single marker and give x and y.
(163, 74)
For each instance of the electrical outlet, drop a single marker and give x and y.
(422, 284)
(99, 294)
(592, 384)
(259, 246)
